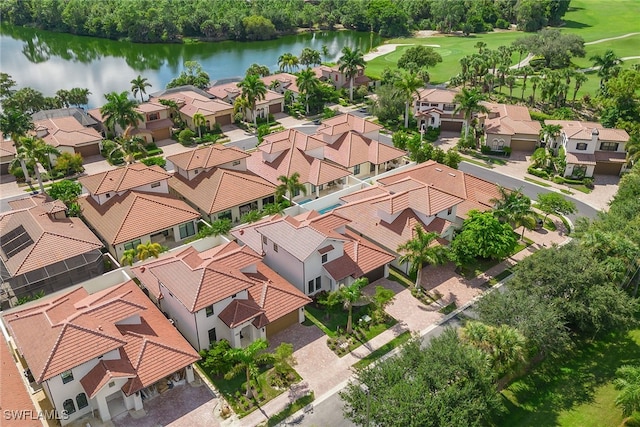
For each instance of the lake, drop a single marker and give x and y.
(49, 61)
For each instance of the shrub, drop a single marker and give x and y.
(541, 117)
(485, 149)
(558, 180)
(502, 24)
(588, 182)
(158, 160)
(432, 134)
(154, 152)
(506, 151)
(69, 164)
(540, 173)
(186, 137)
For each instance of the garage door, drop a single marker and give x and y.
(376, 274)
(275, 108)
(160, 134)
(452, 126)
(88, 150)
(4, 168)
(282, 323)
(523, 145)
(608, 168)
(224, 120)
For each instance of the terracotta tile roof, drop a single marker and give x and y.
(66, 131)
(7, 148)
(610, 156)
(417, 196)
(437, 96)
(581, 158)
(96, 114)
(347, 122)
(135, 214)
(62, 332)
(247, 234)
(52, 240)
(287, 139)
(207, 157)
(219, 189)
(230, 91)
(311, 169)
(365, 193)
(239, 311)
(352, 149)
(104, 372)
(510, 120)
(14, 395)
(151, 107)
(124, 178)
(450, 181)
(360, 257)
(575, 129)
(191, 102)
(287, 81)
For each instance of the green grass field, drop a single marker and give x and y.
(591, 19)
(576, 391)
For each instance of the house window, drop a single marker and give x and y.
(275, 248)
(212, 336)
(225, 215)
(152, 116)
(236, 162)
(609, 146)
(132, 245)
(318, 283)
(313, 188)
(81, 400)
(187, 230)
(581, 146)
(356, 169)
(264, 240)
(372, 167)
(449, 107)
(68, 406)
(112, 384)
(195, 172)
(209, 310)
(311, 287)
(449, 211)
(67, 377)
(108, 195)
(324, 258)
(155, 185)
(268, 200)
(579, 171)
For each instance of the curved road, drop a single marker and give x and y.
(528, 188)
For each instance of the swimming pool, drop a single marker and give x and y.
(329, 208)
(302, 202)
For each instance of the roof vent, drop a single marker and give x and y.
(439, 170)
(99, 327)
(452, 174)
(595, 132)
(142, 269)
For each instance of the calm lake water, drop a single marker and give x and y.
(50, 61)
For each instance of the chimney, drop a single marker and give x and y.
(594, 136)
(142, 269)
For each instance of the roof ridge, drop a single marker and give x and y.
(199, 289)
(31, 248)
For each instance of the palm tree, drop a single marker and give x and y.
(290, 185)
(535, 81)
(253, 90)
(349, 63)
(633, 149)
(511, 82)
(15, 123)
(125, 147)
(29, 152)
(579, 79)
(521, 49)
(309, 57)
(525, 72)
(608, 64)
(469, 102)
(128, 257)
(349, 295)
(307, 83)
(420, 250)
(248, 360)
(221, 227)
(139, 84)
(628, 382)
(198, 121)
(550, 132)
(288, 62)
(120, 110)
(408, 86)
(325, 51)
(253, 215)
(480, 46)
(148, 249)
(514, 208)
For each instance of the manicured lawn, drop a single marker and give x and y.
(399, 277)
(234, 389)
(599, 19)
(476, 162)
(377, 354)
(535, 181)
(575, 391)
(291, 409)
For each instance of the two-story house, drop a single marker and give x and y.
(339, 80)
(290, 151)
(156, 123)
(215, 181)
(104, 351)
(43, 250)
(191, 101)
(7, 153)
(434, 107)
(315, 252)
(431, 195)
(70, 130)
(352, 142)
(509, 126)
(272, 103)
(590, 148)
(226, 292)
(131, 205)
(281, 83)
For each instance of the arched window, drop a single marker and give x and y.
(81, 400)
(69, 407)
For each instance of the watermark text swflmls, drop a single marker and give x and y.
(30, 414)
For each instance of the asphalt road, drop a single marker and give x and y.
(529, 189)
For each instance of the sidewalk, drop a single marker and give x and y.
(323, 372)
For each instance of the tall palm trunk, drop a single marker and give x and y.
(351, 89)
(39, 178)
(350, 319)
(419, 276)
(406, 114)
